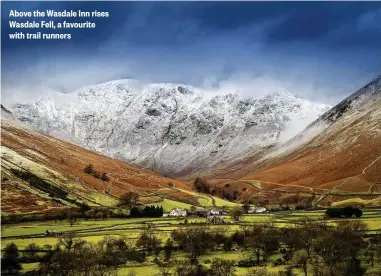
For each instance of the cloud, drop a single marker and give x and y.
(320, 51)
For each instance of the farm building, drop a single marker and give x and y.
(178, 212)
(213, 212)
(257, 210)
(52, 233)
(215, 220)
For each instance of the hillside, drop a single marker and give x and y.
(337, 157)
(61, 182)
(173, 129)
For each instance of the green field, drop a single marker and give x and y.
(371, 217)
(94, 231)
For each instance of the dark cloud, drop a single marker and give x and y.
(329, 47)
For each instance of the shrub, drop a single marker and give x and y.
(279, 261)
(104, 177)
(201, 186)
(90, 170)
(247, 263)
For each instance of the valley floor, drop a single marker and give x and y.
(94, 231)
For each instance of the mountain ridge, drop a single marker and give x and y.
(170, 128)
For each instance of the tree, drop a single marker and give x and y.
(201, 185)
(221, 267)
(263, 239)
(104, 177)
(164, 271)
(68, 241)
(302, 236)
(261, 271)
(149, 242)
(89, 169)
(228, 244)
(187, 268)
(168, 249)
(72, 219)
(10, 263)
(236, 213)
(246, 208)
(373, 249)
(340, 245)
(86, 259)
(301, 259)
(130, 199)
(287, 272)
(195, 241)
(30, 251)
(354, 268)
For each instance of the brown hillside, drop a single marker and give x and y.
(343, 158)
(62, 165)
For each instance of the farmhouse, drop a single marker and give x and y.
(213, 212)
(52, 233)
(178, 212)
(215, 220)
(253, 210)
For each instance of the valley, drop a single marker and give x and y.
(56, 194)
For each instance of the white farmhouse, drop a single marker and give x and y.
(213, 212)
(256, 210)
(178, 212)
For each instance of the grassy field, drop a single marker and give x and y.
(168, 205)
(94, 231)
(210, 201)
(131, 227)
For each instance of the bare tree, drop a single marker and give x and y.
(236, 213)
(129, 199)
(301, 259)
(72, 219)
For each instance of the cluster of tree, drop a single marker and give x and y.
(227, 194)
(201, 185)
(73, 256)
(218, 267)
(196, 240)
(129, 200)
(70, 214)
(315, 247)
(148, 211)
(91, 171)
(99, 214)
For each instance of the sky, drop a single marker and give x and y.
(321, 51)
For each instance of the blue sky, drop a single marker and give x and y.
(322, 51)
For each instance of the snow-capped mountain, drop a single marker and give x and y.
(344, 156)
(171, 128)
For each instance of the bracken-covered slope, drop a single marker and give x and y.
(172, 129)
(60, 165)
(338, 155)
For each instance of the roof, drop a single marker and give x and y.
(178, 209)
